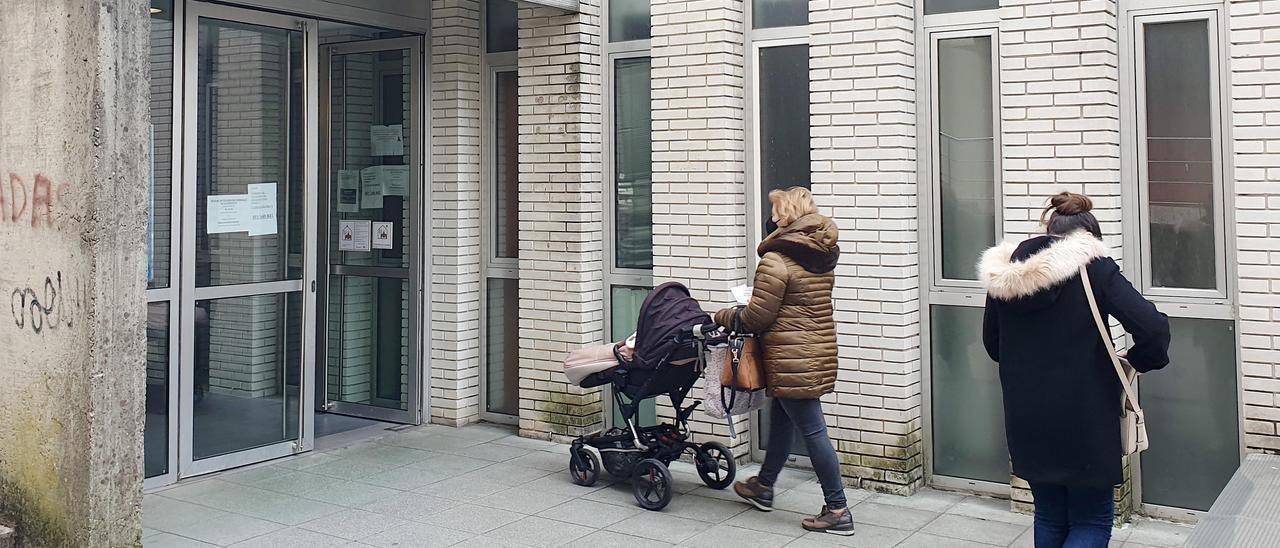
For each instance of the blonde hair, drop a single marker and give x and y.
(792, 203)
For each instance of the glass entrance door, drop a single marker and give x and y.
(247, 233)
(372, 174)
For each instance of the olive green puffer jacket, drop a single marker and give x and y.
(791, 308)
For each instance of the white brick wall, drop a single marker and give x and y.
(1060, 109)
(699, 191)
(561, 216)
(1254, 37)
(862, 84)
(455, 211)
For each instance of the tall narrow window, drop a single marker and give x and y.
(632, 165)
(784, 120)
(1178, 165)
(964, 153)
(506, 140)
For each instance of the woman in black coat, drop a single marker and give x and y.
(1062, 397)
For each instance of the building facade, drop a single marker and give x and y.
(578, 158)
(410, 212)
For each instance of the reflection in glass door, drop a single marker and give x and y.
(245, 238)
(373, 177)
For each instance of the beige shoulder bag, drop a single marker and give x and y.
(1133, 425)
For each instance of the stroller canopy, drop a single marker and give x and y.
(668, 309)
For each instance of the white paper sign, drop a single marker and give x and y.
(262, 209)
(742, 294)
(227, 213)
(348, 191)
(370, 188)
(383, 235)
(353, 236)
(387, 140)
(395, 180)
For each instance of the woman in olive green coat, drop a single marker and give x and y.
(791, 311)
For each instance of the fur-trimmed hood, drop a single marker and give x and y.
(811, 241)
(1012, 271)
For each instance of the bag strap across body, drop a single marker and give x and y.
(1131, 397)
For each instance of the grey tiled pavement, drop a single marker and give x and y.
(483, 486)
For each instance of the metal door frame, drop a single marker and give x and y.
(417, 391)
(188, 466)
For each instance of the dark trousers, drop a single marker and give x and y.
(1072, 517)
(786, 417)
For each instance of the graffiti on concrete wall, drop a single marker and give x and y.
(46, 306)
(33, 204)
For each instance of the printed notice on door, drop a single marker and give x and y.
(227, 213)
(353, 236)
(370, 188)
(384, 235)
(387, 140)
(262, 209)
(348, 191)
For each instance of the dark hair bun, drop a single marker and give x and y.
(1070, 203)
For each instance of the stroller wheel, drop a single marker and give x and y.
(715, 465)
(651, 484)
(584, 466)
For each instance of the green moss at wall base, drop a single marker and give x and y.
(38, 520)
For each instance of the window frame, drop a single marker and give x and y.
(1195, 302)
(952, 25)
(757, 39)
(491, 266)
(170, 293)
(613, 276)
(938, 283)
(1218, 304)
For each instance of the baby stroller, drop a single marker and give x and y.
(672, 336)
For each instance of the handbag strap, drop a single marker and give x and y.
(1106, 340)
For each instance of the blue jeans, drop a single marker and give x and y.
(1072, 517)
(785, 417)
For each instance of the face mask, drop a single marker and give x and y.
(769, 226)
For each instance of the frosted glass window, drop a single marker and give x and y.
(934, 7)
(632, 165)
(502, 347)
(784, 120)
(624, 306)
(501, 25)
(1193, 422)
(628, 20)
(968, 409)
(965, 154)
(779, 13)
(506, 170)
(1179, 155)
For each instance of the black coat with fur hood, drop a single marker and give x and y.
(791, 308)
(1062, 398)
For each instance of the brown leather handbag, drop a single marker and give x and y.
(744, 364)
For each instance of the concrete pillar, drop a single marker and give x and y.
(455, 211)
(561, 215)
(73, 169)
(699, 143)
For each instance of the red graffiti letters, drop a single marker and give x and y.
(17, 204)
